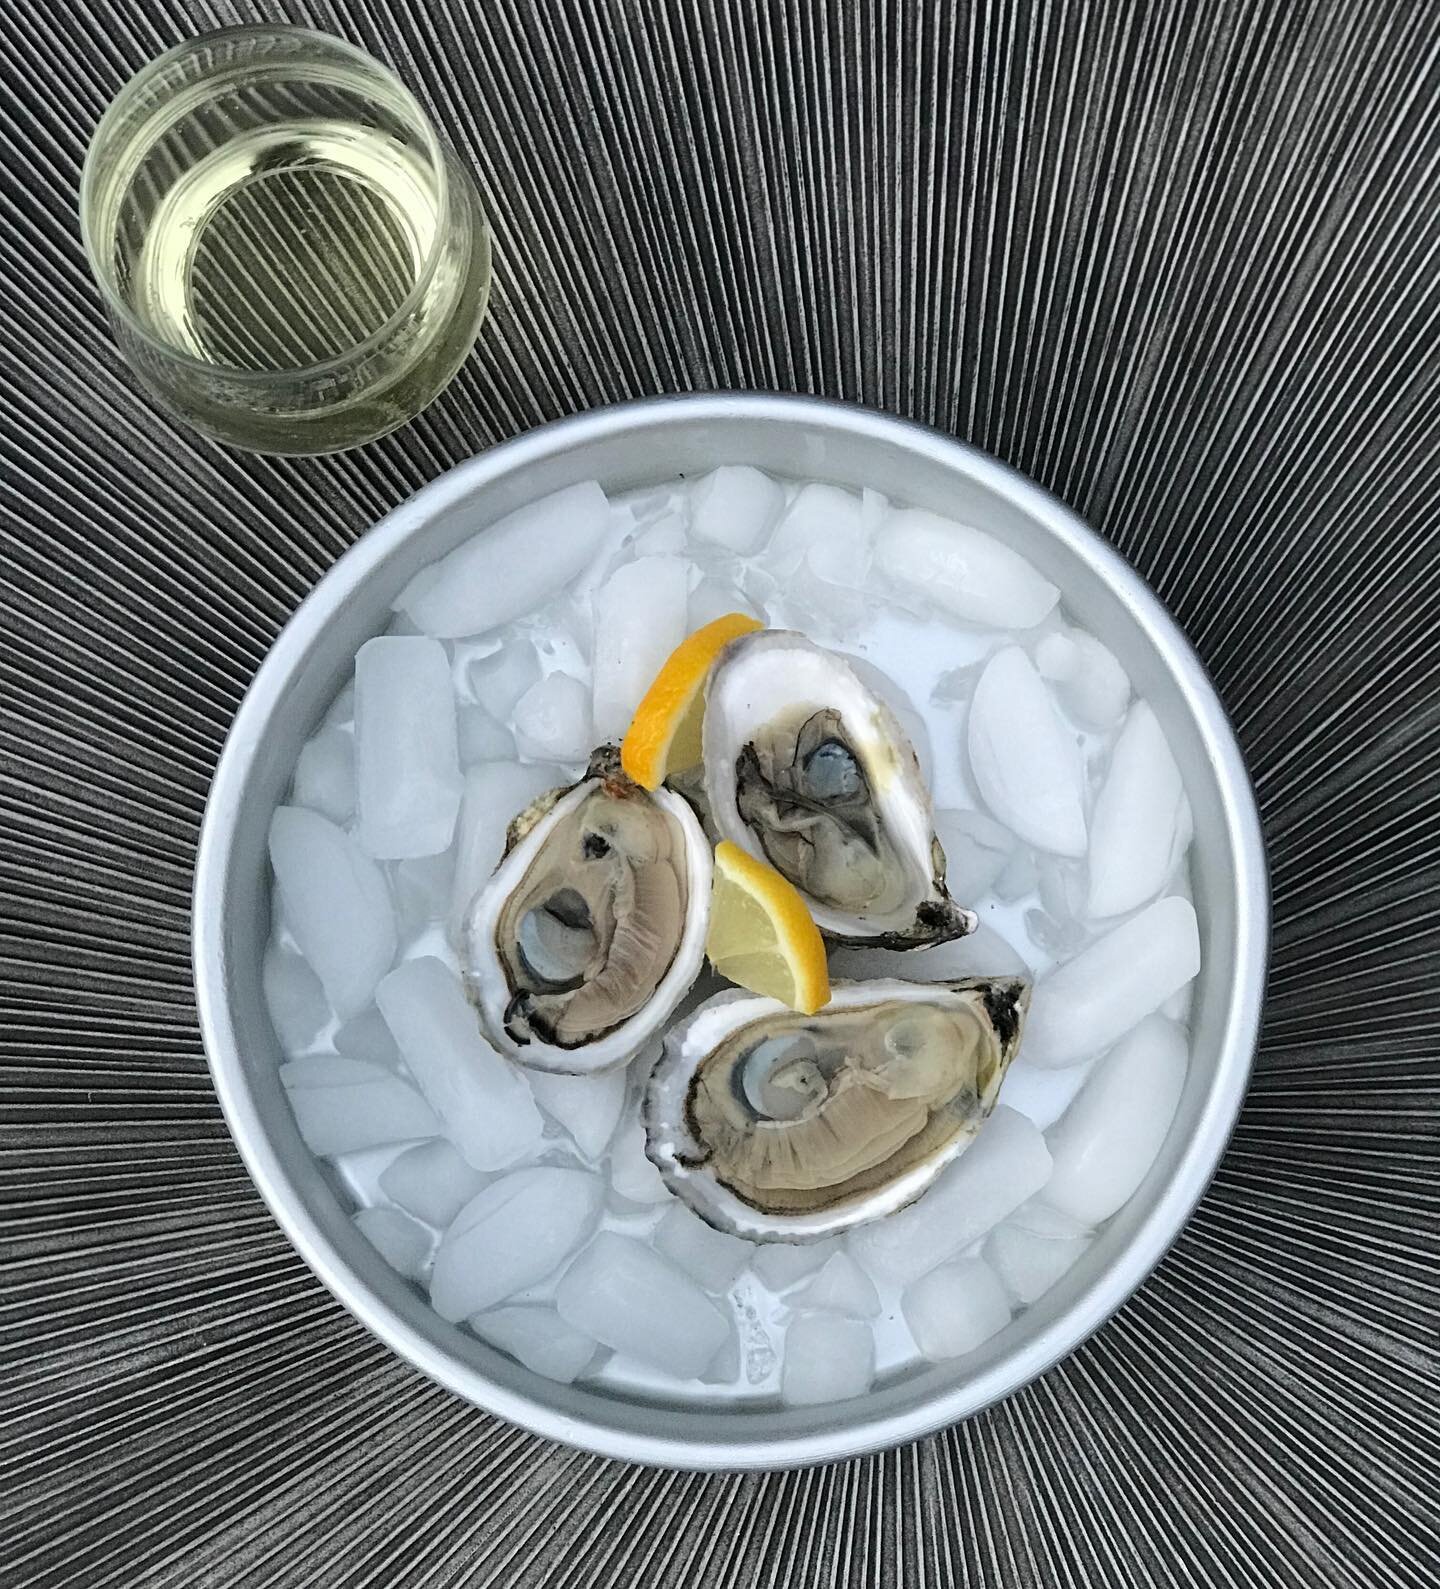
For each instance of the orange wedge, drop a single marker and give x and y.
(664, 734)
(762, 936)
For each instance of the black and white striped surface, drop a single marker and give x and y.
(1178, 262)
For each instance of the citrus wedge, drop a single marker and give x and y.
(664, 734)
(762, 936)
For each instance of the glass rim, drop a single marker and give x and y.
(102, 267)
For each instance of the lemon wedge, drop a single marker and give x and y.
(762, 936)
(664, 734)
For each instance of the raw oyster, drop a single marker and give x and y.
(806, 768)
(592, 928)
(777, 1126)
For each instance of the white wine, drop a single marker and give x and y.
(286, 247)
(293, 261)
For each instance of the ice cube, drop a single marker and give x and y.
(299, 1010)
(1057, 657)
(632, 1175)
(706, 1255)
(661, 512)
(665, 538)
(983, 953)
(1091, 684)
(431, 1181)
(542, 1293)
(716, 598)
(956, 686)
(822, 530)
(962, 570)
(842, 1286)
(539, 1339)
(1040, 1219)
(403, 1244)
(736, 507)
(1063, 886)
(510, 1235)
(1007, 1163)
(499, 678)
(1177, 1007)
(407, 760)
(955, 1308)
(510, 568)
(1106, 1141)
(495, 794)
(640, 617)
(553, 722)
(341, 711)
(1140, 817)
(1030, 1264)
(1020, 876)
(480, 738)
(366, 1036)
(827, 1359)
(325, 775)
(762, 591)
(587, 1106)
(337, 904)
(1087, 1003)
(1061, 927)
(630, 1299)
(422, 890)
(483, 1102)
(781, 1264)
(874, 507)
(343, 1105)
(1026, 764)
(1039, 1094)
(977, 850)
(1058, 939)
(726, 1365)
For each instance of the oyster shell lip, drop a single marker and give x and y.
(937, 920)
(484, 977)
(683, 1162)
(739, 697)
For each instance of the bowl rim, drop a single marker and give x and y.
(1161, 1224)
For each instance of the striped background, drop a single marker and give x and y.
(1177, 262)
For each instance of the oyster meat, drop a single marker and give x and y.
(806, 768)
(592, 928)
(778, 1126)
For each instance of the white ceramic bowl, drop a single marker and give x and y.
(630, 446)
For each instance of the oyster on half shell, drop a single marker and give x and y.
(806, 768)
(592, 928)
(777, 1126)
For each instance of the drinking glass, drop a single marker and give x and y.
(291, 259)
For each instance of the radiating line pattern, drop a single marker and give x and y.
(1178, 262)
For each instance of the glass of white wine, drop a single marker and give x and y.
(291, 259)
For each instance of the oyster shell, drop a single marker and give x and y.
(806, 768)
(592, 928)
(777, 1126)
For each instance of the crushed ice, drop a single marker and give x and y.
(525, 1205)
